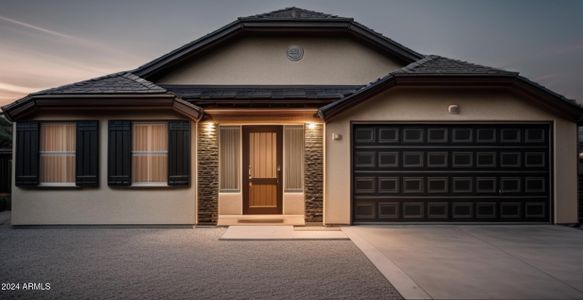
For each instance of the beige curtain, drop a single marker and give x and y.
(57, 153)
(229, 158)
(293, 145)
(150, 153)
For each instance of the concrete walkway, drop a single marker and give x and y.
(280, 233)
(476, 262)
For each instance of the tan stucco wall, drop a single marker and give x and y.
(263, 60)
(232, 204)
(409, 104)
(105, 205)
(293, 204)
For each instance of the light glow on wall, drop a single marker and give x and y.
(209, 127)
(311, 125)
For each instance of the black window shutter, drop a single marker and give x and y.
(27, 153)
(87, 156)
(179, 153)
(119, 153)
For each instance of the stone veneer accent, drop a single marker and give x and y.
(314, 172)
(208, 173)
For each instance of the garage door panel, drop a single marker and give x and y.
(447, 209)
(450, 172)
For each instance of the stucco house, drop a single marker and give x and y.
(296, 116)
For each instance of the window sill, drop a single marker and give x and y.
(150, 185)
(57, 184)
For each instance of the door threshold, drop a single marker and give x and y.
(267, 220)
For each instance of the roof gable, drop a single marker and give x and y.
(435, 70)
(289, 20)
(263, 60)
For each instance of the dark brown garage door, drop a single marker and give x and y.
(451, 172)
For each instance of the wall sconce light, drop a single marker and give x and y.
(453, 109)
(336, 136)
(210, 126)
(311, 125)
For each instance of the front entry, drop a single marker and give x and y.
(262, 166)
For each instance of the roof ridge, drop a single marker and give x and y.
(436, 64)
(471, 63)
(142, 81)
(291, 12)
(121, 74)
(415, 64)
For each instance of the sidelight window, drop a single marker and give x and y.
(230, 158)
(293, 145)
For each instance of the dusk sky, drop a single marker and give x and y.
(45, 44)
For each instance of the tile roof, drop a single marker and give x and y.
(434, 64)
(116, 83)
(193, 92)
(292, 13)
(438, 66)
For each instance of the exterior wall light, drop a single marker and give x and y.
(453, 109)
(311, 125)
(210, 126)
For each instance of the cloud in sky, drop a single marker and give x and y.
(44, 30)
(34, 59)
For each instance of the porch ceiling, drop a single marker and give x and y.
(260, 115)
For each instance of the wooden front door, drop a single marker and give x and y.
(262, 166)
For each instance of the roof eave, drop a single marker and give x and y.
(33, 103)
(178, 53)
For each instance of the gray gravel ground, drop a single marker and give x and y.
(118, 263)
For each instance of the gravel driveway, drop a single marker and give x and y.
(182, 264)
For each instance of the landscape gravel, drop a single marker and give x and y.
(182, 263)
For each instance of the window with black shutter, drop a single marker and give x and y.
(57, 153)
(149, 153)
